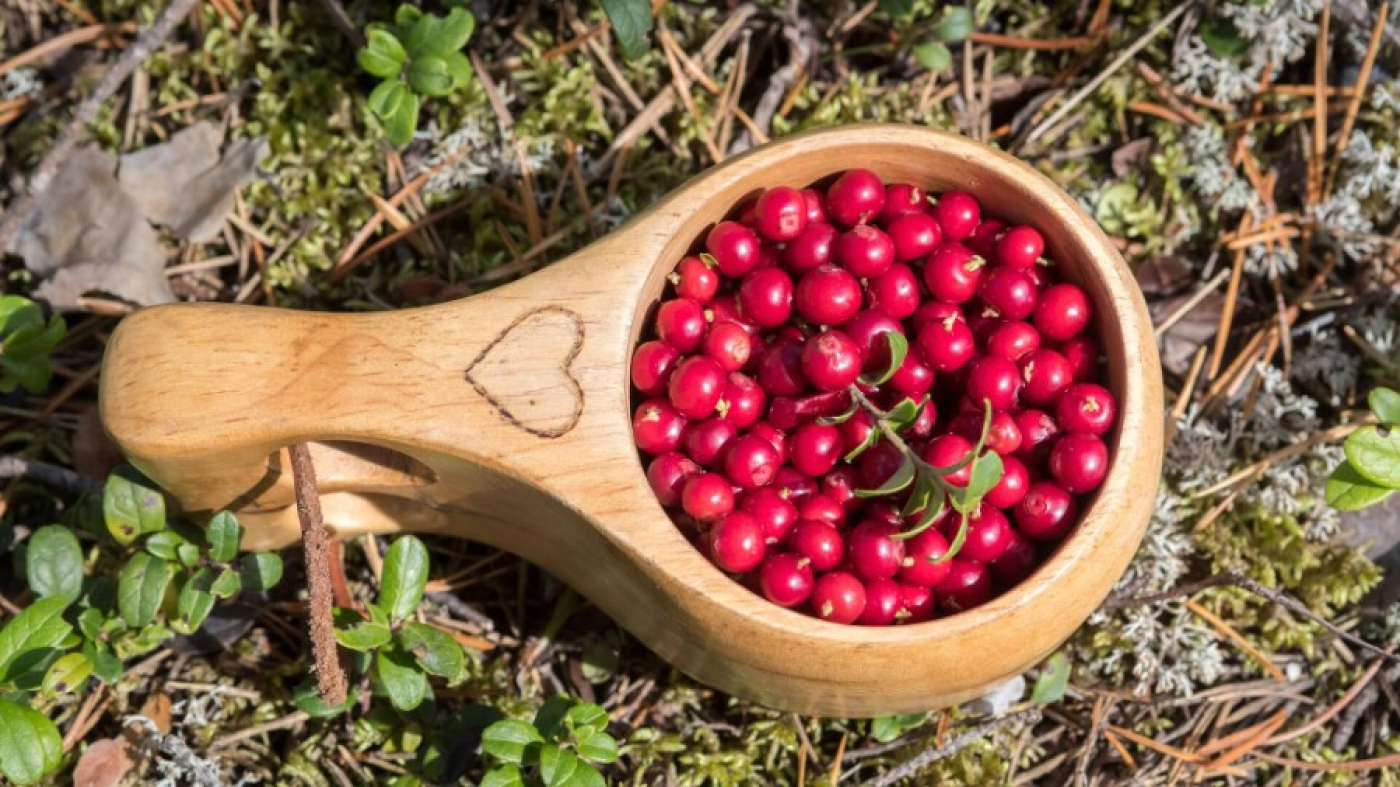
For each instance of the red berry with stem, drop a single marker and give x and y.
(857, 196)
(651, 366)
(786, 579)
(827, 295)
(830, 360)
(1016, 563)
(695, 280)
(988, 535)
(912, 378)
(667, 475)
(1079, 462)
(995, 381)
(1003, 435)
(696, 386)
(945, 346)
(958, 214)
(922, 564)
(1013, 340)
(1046, 374)
(1038, 433)
(765, 297)
(1019, 247)
(812, 248)
(1011, 489)
(780, 213)
(820, 507)
(1047, 511)
(681, 324)
(729, 344)
(743, 401)
(1062, 312)
(883, 602)
(1082, 353)
(935, 311)
(947, 450)
(983, 240)
(773, 511)
(865, 330)
(734, 247)
(914, 235)
(895, 292)
(838, 597)
(815, 448)
(815, 204)
(916, 602)
(924, 421)
(953, 273)
(706, 441)
(968, 585)
(725, 308)
(780, 369)
(736, 543)
(819, 542)
(1009, 292)
(903, 199)
(657, 427)
(865, 251)
(856, 430)
(840, 485)
(878, 464)
(794, 485)
(1086, 407)
(707, 497)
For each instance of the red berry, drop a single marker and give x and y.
(1086, 407)
(696, 386)
(1017, 562)
(707, 497)
(729, 343)
(855, 431)
(780, 369)
(1047, 511)
(945, 346)
(953, 273)
(751, 462)
(865, 329)
(774, 512)
(830, 360)
(725, 308)
(819, 542)
(1019, 247)
(734, 247)
(912, 378)
(1003, 435)
(657, 427)
(988, 535)
(667, 475)
(969, 584)
(681, 324)
(822, 508)
(903, 199)
(815, 448)
(813, 247)
(925, 420)
(1038, 433)
(706, 442)
(743, 401)
(1009, 292)
(786, 579)
(916, 602)
(840, 485)
(1013, 340)
(816, 209)
(794, 485)
(651, 366)
(878, 464)
(780, 213)
(736, 543)
(983, 240)
(914, 235)
(894, 292)
(883, 603)
(993, 380)
(1063, 312)
(1079, 462)
(773, 436)
(865, 251)
(921, 564)
(827, 295)
(855, 197)
(1012, 487)
(935, 311)
(695, 280)
(1046, 374)
(1082, 353)
(765, 297)
(958, 214)
(946, 451)
(838, 597)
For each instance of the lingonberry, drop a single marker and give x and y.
(894, 292)
(651, 366)
(681, 324)
(1046, 374)
(884, 511)
(1038, 433)
(883, 603)
(780, 369)
(878, 464)
(815, 203)
(983, 240)
(865, 251)
(856, 430)
(729, 343)
(958, 214)
(696, 386)
(925, 420)
(903, 199)
(841, 485)
(995, 381)
(914, 235)
(946, 451)
(794, 485)
(736, 543)
(953, 273)
(988, 534)
(1079, 462)
(773, 436)
(725, 308)
(1013, 340)
(751, 462)
(813, 247)
(780, 213)
(786, 579)
(1062, 312)
(968, 584)
(1086, 407)
(773, 511)
(945, 346)
(734, 247)
(830, 360)
(1019, 247)
(873, 551)
(821, 507)
(916, 602)
(857, 196)
(743, 401)
(865, 329)
(657, 427)
(1009, 292)
(1012, 487)
(1003, 435)
(695, 280)
(765, 297)
(838, 597)
(1047, 511)
(667, 475)
(706, 441)
(1082, 353)
(819, 542)
(935, 311)
(923, 562)
(912, 378)
(827, 295)
(815, 448)
(707, 497)
(1016, 562)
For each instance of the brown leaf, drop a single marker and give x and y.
(157, 709)
(1192, 330)
(94, 453)
(105, 763)
(1130, 157)
(1164, 274)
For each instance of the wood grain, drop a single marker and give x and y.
(531, 449)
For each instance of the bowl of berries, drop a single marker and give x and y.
(864, 421)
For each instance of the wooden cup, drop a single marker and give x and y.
(505, 418)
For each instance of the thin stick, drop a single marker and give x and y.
(1227, 314)
(145, 44)
(1336, 708)
(927, 757)
(330, 678)
(47, 474)
(1038, 44)
(1238, 638)
(1191, 303)
(1355, 106)
(68, 40)
(1319, 140)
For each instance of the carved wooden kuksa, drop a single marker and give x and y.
(505, 418)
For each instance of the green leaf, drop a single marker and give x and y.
(1385, 403)
(18, 313)
(30, 745)
(596, 747)
(131, 505)
(586, 717)
(429, 76)
(1348, 490)
(986, 473)
(460, 69)
(600, 658)
(833, 420)
(400, 678)
(187, 554)
(260, 571)
(557, 766)
(503, 776)
(926, 520)
(510, 740)
(194, 603)
(549, 719)
(435, 36)
(307, 698)
(34, 633)
(899, 348)
(933, 55)
(434, 650)
(886, 728)
(955, 26)
(897, 9)
(870, 439)
(383, 55)
(227, 584)
(68, 674)
(165, 544)
(1054, 679)
(106, 666)
(385, 99)
(902, 478)
(364, 636)
(905, 413)
(404, 577)
(53, 561)
(33, 373)
(407, 15)
(90, 623)
(1221, 37)
(224, 534)
(1375, 453)
(141, 588)
(631, 22)
(399, 127)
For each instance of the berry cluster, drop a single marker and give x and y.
(872, 402)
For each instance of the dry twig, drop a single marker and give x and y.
(330, 678)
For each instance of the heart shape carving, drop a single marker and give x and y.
(525, 371)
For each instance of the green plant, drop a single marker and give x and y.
(630, 20)
(25, 343)
(930, 35)
(418, 55)
(83, 627)
(560, 747)
(1371, 471)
